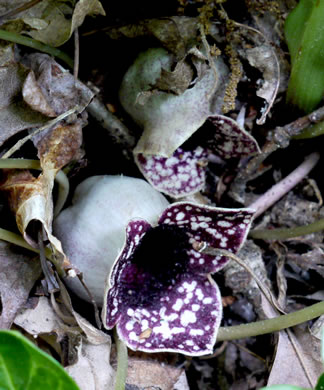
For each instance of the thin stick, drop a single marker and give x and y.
(122, 363)
(279, 138)
(37, 45)
(94, 304)
(284, 186)
(117, 130)
(272, 325)
(48, 125)
(76, 53)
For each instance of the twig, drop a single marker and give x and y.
(284, 186)
(286, 233)
(94, 304)
(48, 125)
(37, 45)
(272, 325)
(279, 138)
(118, 131)
(76, 53)
(122, 363)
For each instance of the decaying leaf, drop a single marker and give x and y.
(294, 350)
(262, 57)
(177, 34)
(92, 371)
(18, 273)
(15, 115)
(145, 373)
(31, 198)
(51, 89)
(89, 356)
(52, 22)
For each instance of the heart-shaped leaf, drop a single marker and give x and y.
(24, 367)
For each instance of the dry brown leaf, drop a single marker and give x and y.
(262, 57)
(31, 201)
(40, 319)
(92, 371)
(152, 374)
(18, 274)
(31, 198)
(51, 89)
(177, 33)
(297, 351)
(15, 115)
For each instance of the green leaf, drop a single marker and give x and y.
(23, 366)
(320, 383)
(304, 31)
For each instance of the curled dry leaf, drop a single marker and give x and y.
(52, 21)
(89, 364)
(18, 274)
(31, 198)
(51, 89)
(262, 57)
(15, 115)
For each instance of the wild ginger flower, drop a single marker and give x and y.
(160, 294)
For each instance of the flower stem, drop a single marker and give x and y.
(122, 363)
(33, 43)
(284, 186)
(272, 325)
(285, 233)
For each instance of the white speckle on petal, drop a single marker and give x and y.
(190, 286)
(199, 294)
(178, 305)
(195, 307)
(224, 224)
(188, 317)
(180, 216)
(208, 300)
(196, 332)
(129, 325)
(133, 336)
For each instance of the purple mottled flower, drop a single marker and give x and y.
(161, 296)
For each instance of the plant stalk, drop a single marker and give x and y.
(122, 363)
(272, 325)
